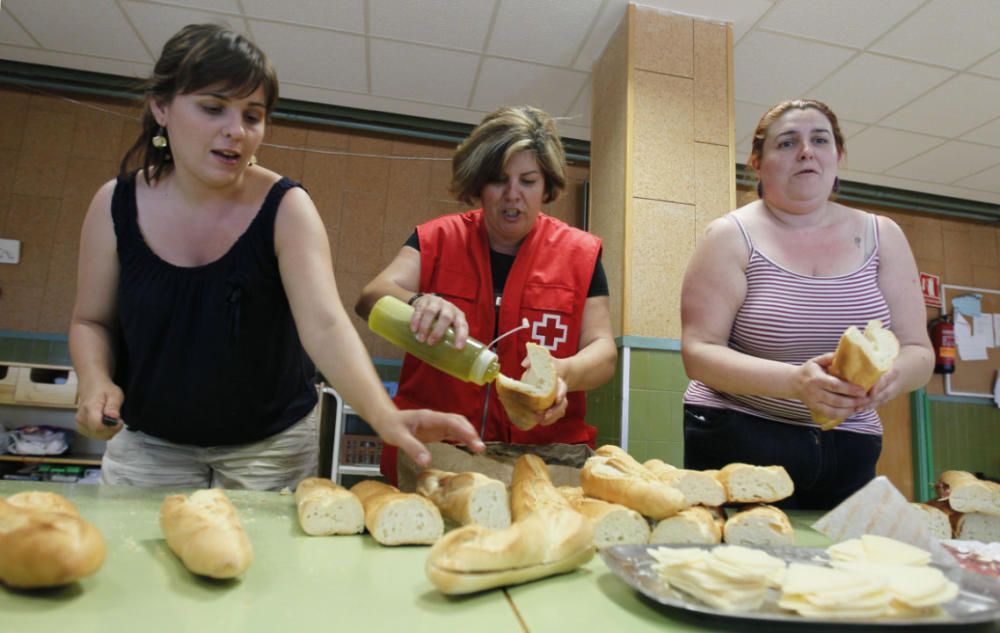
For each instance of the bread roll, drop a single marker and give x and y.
(397, 518)
(861, 359)
(967, 493)
(976, 526)
(694, 526)
(613, 475)
(755, 484)
(204, 531)
(44, 542)
(614, 524)
(531, 488)
(760, 525)
(549, 541)
(325, 508)
(467, 497)
(699, 487)
(937, 522)
(535, 392)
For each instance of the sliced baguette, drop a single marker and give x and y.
(760, 525)
(937, 521)
(397, 518)
(968, 493)
(976, 526)
(535, 392)
(324, 508)
(700, 488)
(695, 526)
(745, 483)
(613, 475)
(466, 498)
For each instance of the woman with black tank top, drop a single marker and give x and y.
(206, 291)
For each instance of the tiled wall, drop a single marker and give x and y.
(37, 349)
(965, 437)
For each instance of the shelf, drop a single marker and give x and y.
(359, 470)
(82, 459)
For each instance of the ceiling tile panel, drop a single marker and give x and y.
(889, 84)
(949, 162)
(610, 17)
(303, 55)
(157, 24)
(422, 73)
(761, 57)
(742, 13)
(836, 21)
(342, 15)
(580, 111)
(920, 185)
(505, 82)
(952, 109)
(433, 21)
(380, 104)
(877, 149)
(56, 24)
(226, 6)
(989, 66)
(135, 70)
(544, 31)
(850, 128)
(747, 117)
(953, 33)
(12, 33)
(988, 180)
(988, 134)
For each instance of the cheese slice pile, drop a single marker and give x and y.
(878, 549)
(822, 592)
(728, 577)
(915, 591)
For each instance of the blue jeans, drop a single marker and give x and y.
(826, 467)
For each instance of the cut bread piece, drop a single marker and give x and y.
(466, 498)
(694, 526)
(936, 520)
(976, 526)
(324, 508)
(397, 518)
(205, 532)
(968, 493)
(861, 359)
(613, 475)
(745, 483)
(760, 525)
(535, 392)
(700, 488)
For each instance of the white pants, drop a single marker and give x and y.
(134, 458)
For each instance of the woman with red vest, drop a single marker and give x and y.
(483, 271)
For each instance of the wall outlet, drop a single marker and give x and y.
(10, 251)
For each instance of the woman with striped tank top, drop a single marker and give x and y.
(767, 294)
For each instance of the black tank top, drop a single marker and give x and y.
(208, 355)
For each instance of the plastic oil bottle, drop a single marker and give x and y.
(390, 319)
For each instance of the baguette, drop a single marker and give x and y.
(324, 508)
(976, 526)
(531, 488)
(760, 525)
(936, 520)
(614, 524)
(861, 359)
(535, 392)
(755, 484)
(967, 493)
(694, 526)
(204, 531)
(397, 518)
(467, 497)
(44, 542)
(549, 541)
(699, 487)
(613, 475)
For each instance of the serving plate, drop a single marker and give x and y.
(978, 600)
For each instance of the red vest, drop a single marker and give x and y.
(547, 284)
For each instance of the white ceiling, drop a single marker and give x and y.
(916, 83)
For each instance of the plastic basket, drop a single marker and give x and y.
(363, 450)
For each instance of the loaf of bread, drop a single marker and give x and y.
(694, 526)
(325, 508)
(548, 541)
(936, 520)
(976, 526)
(614, 524)
(861, 359)
(968, 493)
(397, 518)
(760, 525)
(700, 488)
(755, 484)
(44, 542)
(535, 392)
(531, 488)
(467, 497)
(205, 532)
(613, 475)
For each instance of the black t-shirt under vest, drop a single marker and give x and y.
(208, 355)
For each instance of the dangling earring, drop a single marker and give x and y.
(836, 184)
(159, 141)
(760, 190)
(252, 161)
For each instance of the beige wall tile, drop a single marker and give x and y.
(13, 114)
(957, 273)
(323, 175)
(926, 238)
(663, 138)
(97, 136)
(984, 246)
(663, 41)
(958, 246)
(69, 222)
(32, 220)
(713, 184)
(986, 277)
(20, 305)
(367, 174)
(360, 233)
(287, 134)
(49, 132)
(711, 83)
(327, 139)
(84, 178)
(285, 162)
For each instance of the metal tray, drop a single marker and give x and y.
(978, 600)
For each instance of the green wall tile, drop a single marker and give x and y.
(657, 369)
(648, 415)
(965, 436)
(6, 348)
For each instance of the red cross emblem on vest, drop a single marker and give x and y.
(550, 328)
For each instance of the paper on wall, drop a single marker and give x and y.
(996, 330)
(968, 347)
(969, 305)
(982, 330)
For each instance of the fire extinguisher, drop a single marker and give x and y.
(942, 331)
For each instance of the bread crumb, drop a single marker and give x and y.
(285, 491)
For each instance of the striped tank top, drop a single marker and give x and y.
(791, 318)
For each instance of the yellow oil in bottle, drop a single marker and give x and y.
(390, 318)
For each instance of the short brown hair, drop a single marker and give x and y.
(198, 56)
(482, 157)
(775, 112)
